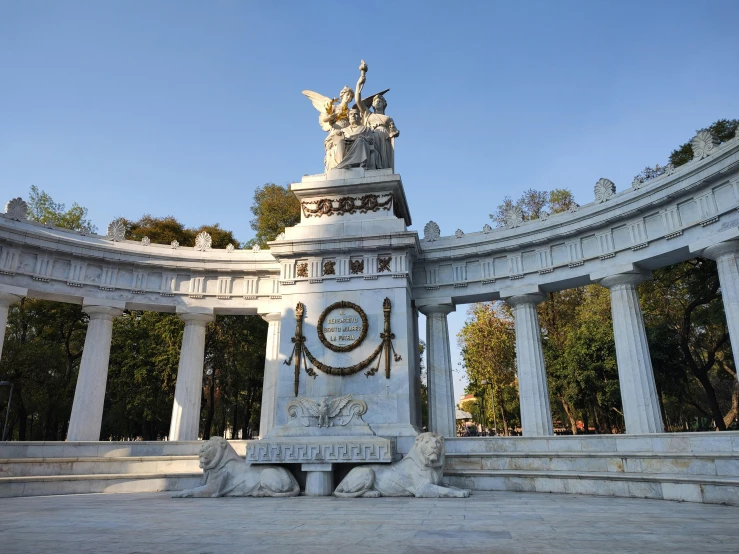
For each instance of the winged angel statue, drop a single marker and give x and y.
(360, 136)
(325, 411)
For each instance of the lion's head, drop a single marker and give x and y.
(214, 452)
(429, 449)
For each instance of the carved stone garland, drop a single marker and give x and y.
(300, 354)
(346, 205)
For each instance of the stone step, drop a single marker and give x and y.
(683, 463)
(663, 486)
(96, 483)
(92, 465)
(697, 443)
(74, 449)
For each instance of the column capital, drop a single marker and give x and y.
(631, 278)
(102, 312)
(10, 295)
(524, 299)
(195, 318)
(437, 309)
(721, 249)
(273, 316)
(6, 299)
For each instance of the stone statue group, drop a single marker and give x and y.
(360, 136)
(418, 474)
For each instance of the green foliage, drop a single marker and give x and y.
(43, 209)
(724, 129)
(164, 230)
(534, 202)
(488, 341)
(689, 343)
(144, 355)
(274, 208)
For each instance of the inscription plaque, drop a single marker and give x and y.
(342, 326)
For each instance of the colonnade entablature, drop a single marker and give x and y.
(67, 266)
(652, 224)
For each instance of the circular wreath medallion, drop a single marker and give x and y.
(341, 306)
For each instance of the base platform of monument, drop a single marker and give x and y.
(694, 467)
(54, 467)
(317, 456)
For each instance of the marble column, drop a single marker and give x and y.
(89, 394)
(271, 370)
(442, 415)
(6, 299)
(726, 255)
(189, 388)
(536, 414)
(635, 374)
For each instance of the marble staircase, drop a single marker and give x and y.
(693, 467)
(48, 468)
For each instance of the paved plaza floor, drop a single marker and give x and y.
(485, 522)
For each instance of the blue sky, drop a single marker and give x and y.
(183, 108)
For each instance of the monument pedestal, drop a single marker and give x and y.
(319, 479)
(317, 456)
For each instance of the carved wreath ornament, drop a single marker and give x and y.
(301, 355)
(346, 205)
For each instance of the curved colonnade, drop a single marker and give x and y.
(614, 241)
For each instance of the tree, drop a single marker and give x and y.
(488, 341)
(164, 230)
(723, 129)
(685, 316)
(43, 209)
(533, 203)
(274, 209)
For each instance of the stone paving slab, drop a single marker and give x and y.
(499, 522)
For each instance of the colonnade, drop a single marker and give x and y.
(636, 377)
(89, 396)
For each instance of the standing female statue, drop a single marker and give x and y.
(383, 125)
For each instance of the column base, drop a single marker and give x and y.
(319, 480)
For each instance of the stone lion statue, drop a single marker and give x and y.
(418, 474)
(226, 474)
